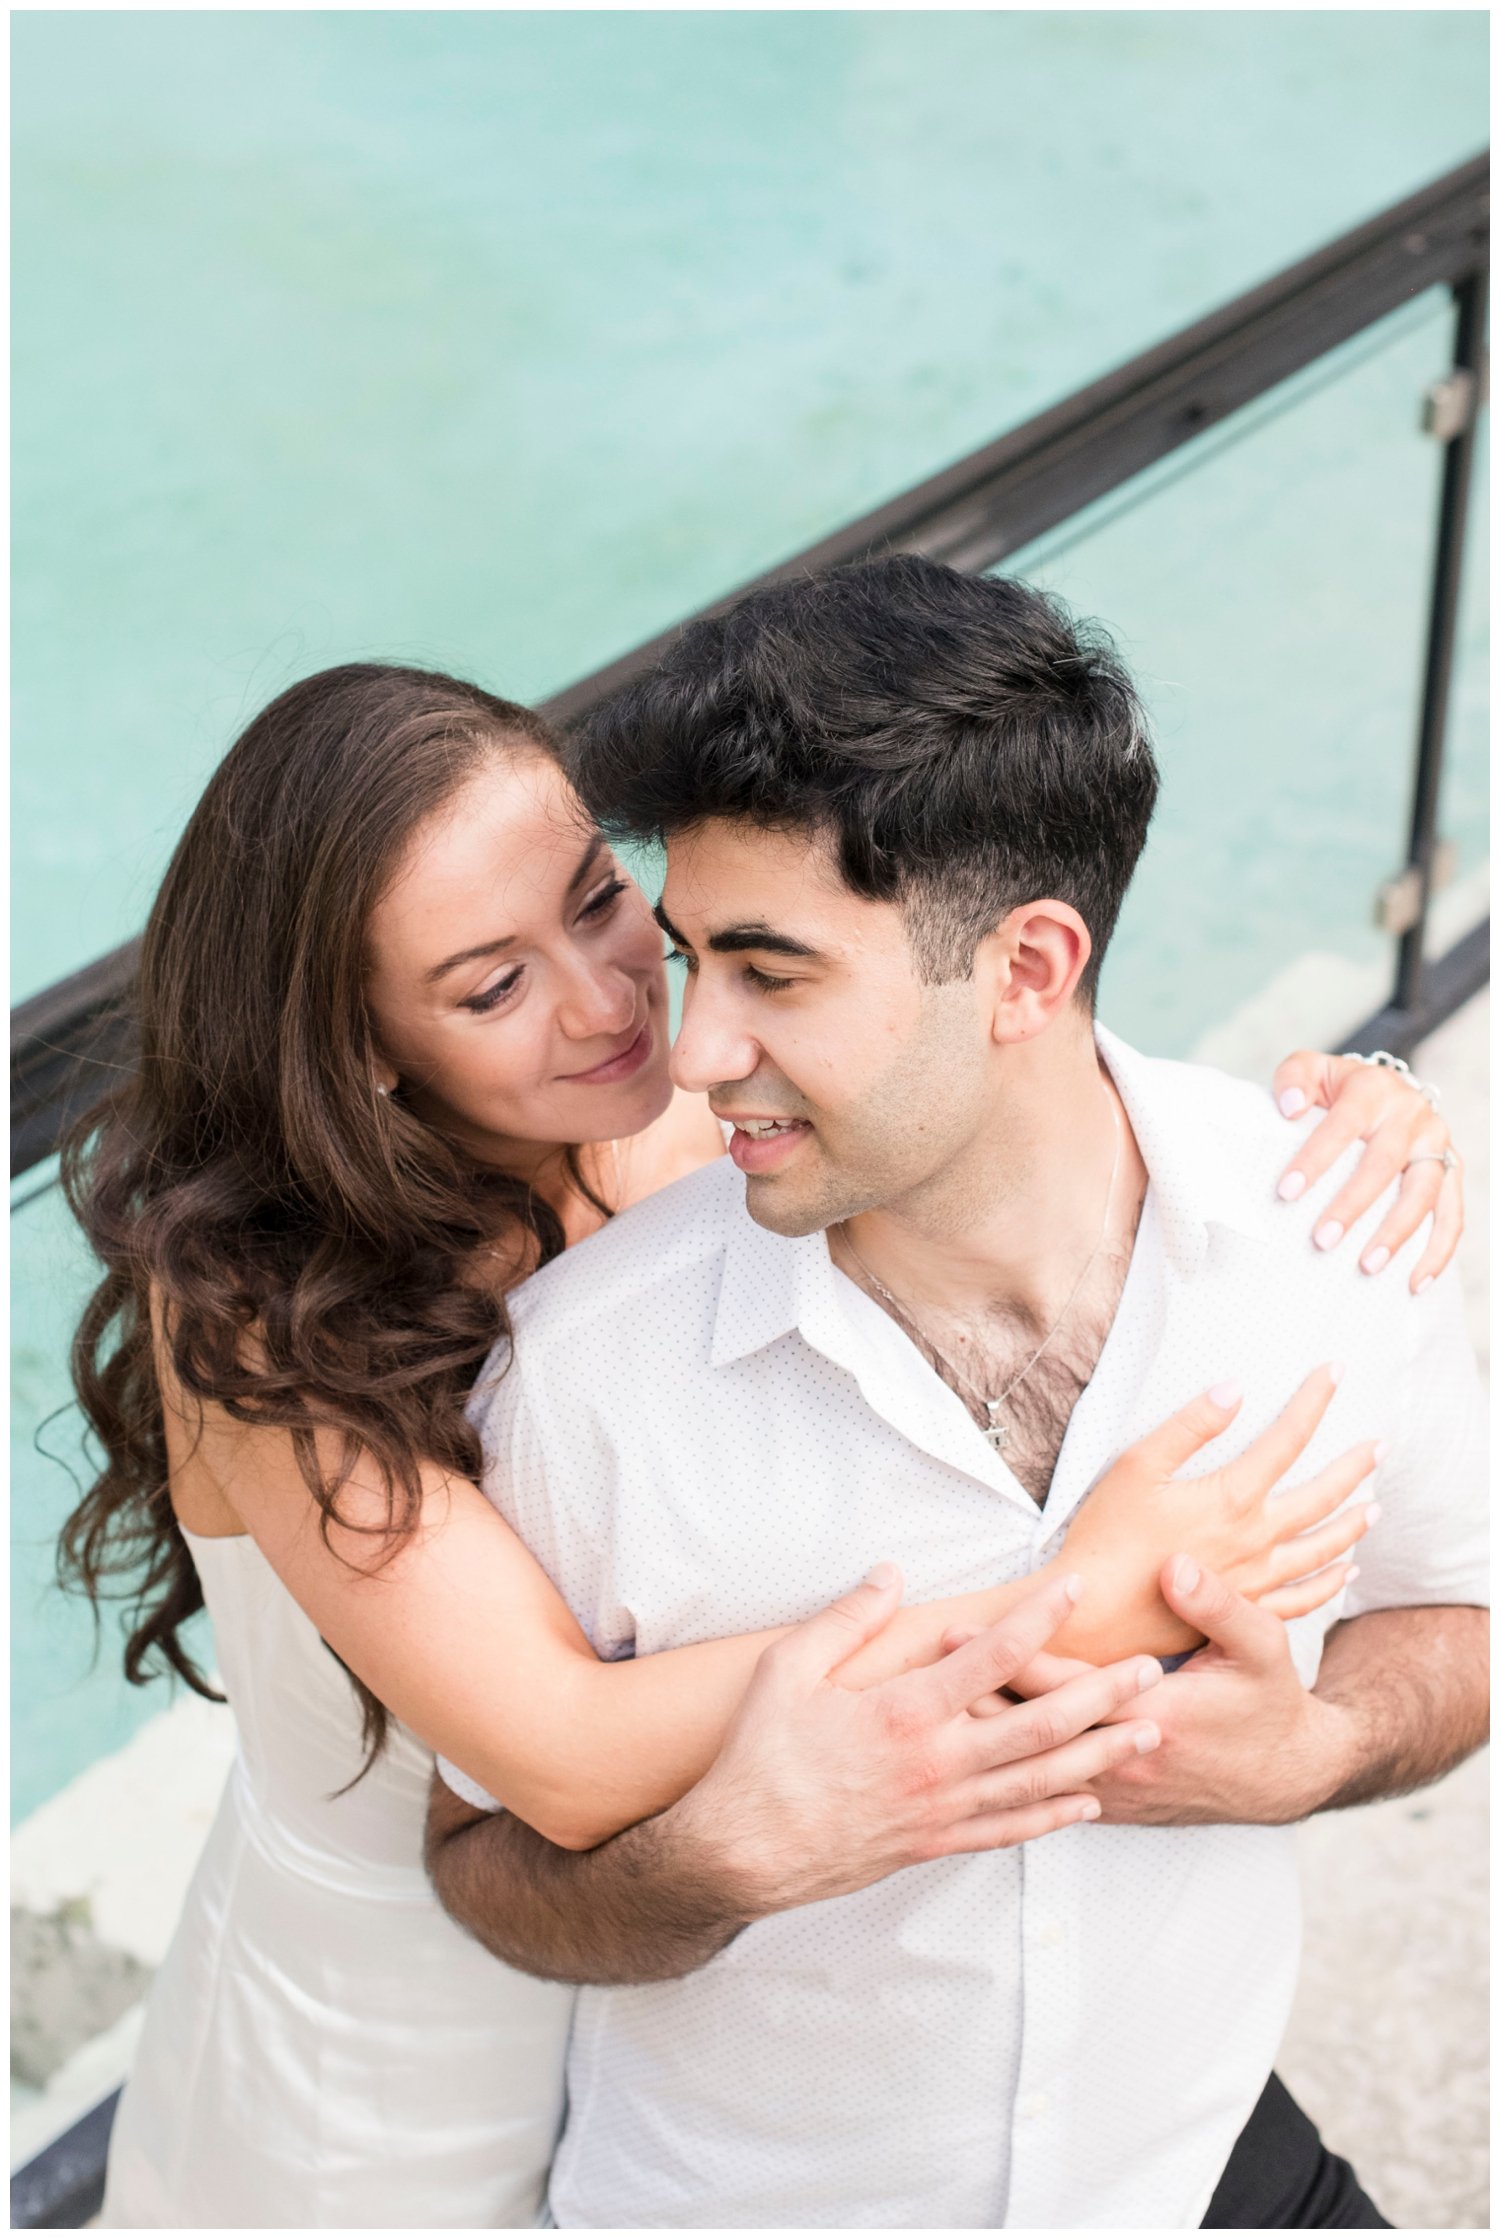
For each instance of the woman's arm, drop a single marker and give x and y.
(464, 1637)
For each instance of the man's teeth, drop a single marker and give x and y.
(766, 1126)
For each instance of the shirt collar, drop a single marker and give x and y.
(773, 1284)
(769, 1285)
(1199, 1168)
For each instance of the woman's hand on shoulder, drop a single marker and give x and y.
(1402, 1135)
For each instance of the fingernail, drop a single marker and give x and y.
(1290, 1186)
(1227, 1394)
(1335, 1372)
(1328, 1235)
(1186, 1574)
(1146, 1738)
(1351, 1574)
(883, 1574)
(1147, 1674)
(1382, 1448)
(1372, 1513)
(1292, 1101)
(1073, 1585)
(1425, 1284)
(1090, 1810)
(1375, 1259)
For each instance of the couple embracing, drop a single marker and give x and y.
(495, 1413)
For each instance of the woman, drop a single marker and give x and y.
(403, 1039)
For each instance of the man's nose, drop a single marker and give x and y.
(710, 1047)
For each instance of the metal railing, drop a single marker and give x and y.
(67, 1040)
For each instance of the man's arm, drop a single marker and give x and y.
(1401, 1698)
(818, 1790)
(649, 1904)
(1412, 1686)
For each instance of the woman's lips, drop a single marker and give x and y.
(760, 1154)
(619, 1067)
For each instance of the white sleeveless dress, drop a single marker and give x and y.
(322, 2047)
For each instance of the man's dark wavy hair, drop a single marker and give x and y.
(963, 744)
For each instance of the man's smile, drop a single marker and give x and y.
(760, 1145)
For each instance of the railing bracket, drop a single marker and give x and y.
(1398, 901)
(1448, 406)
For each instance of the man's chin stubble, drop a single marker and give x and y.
(777, 1210)
(786, 1212)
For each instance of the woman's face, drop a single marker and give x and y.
(515, 973)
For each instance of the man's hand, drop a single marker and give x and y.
(820, 1789)
(1242, 1738)
(1401, 1697)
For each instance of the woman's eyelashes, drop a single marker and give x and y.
(490, 998)
(599, 901)
(598, 905)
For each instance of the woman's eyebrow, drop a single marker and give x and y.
(586, 863)
(469, 956)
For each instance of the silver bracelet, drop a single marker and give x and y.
(1390, 1064)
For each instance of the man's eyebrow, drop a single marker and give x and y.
(735, 938)
(586, 862)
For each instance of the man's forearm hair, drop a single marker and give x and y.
(642, 1907)
(1415, 1684)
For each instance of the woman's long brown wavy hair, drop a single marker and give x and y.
(308, 1241)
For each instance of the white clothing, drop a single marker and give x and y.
(323, 2048)
(1071, 2034)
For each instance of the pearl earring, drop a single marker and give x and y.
(381, 1089)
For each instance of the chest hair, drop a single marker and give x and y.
(982, 1356)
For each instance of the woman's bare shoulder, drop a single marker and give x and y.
(686, 1137)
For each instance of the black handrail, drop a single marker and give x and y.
(65, 1041)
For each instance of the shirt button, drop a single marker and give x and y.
(1049, 1935)
(1034, 2103)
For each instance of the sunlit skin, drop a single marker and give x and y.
(522, 1049)
(973, 1115)
(515, 975)
(526, 1046)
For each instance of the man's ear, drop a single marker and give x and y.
(1030, 967)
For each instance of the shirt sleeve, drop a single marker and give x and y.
(468, 1791)
(549, 1467)
(533, 1499)
(1430, 1544)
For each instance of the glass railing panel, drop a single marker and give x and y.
(502, 340)
(1269, 588)
(1464, 808)
(69, 1704)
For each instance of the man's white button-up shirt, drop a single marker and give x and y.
(706, 1429)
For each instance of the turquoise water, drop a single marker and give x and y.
(502, 340)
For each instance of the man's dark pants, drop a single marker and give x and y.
(1281, 2177)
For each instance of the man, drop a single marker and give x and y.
(978, 1250)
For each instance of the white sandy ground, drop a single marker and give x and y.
(1387, 2046)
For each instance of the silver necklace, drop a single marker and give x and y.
(996, 1431)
